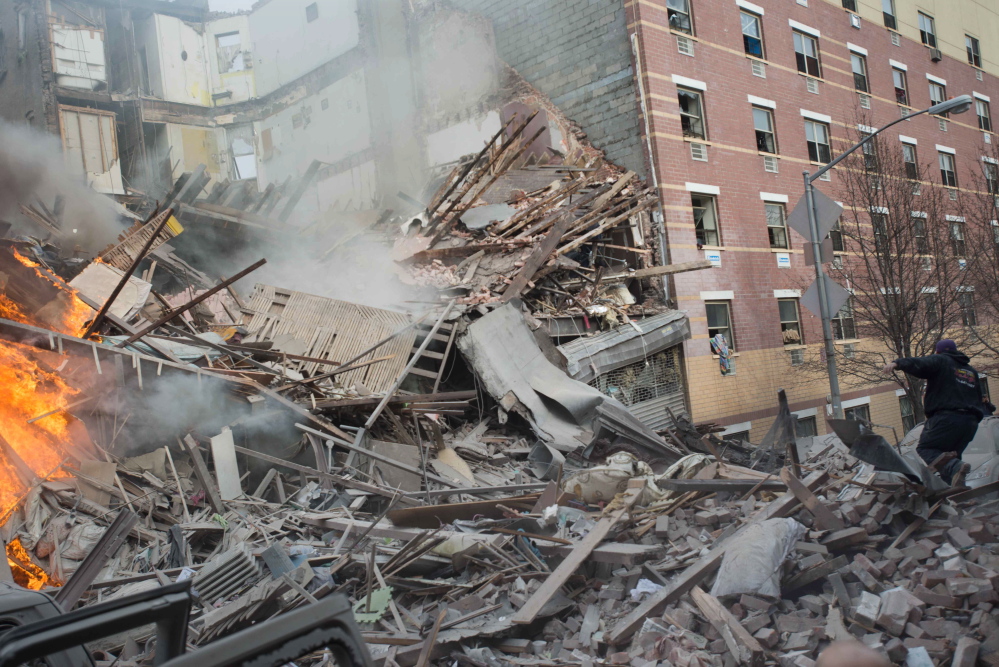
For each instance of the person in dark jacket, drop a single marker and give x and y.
(954, 404)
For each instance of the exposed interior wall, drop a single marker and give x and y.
(462, 138)
(330, 125)
(230, 59)
(189, 146)
(90, 147)
(22, 89)
(286, 44)
(179, 71)
(579, 55)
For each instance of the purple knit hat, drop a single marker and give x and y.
(946, 345)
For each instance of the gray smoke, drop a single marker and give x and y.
(33, 170)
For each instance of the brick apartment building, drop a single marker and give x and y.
(742, 98)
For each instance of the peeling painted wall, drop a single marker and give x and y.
(176, 59)
(286, 44)
(230, 67)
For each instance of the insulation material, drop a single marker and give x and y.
(753, 564)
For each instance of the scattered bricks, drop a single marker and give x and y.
(844, 539)
(879, 512)
(867, 610)
(662, 526)
(751, 602)
(864, 562)
(705, 519)
(767, 636)
(804, 661)
(907, 566)
(987, 597)
(918, 657)
(917, 552)
(756, 623)
(966, 653)
(811, 561)
(893, 553)
(795, 623)
(814, 604)
(864, 577)
(897, 607)
(933, 646)
(935, 535)
(621, 658)
(935, 599)
(864, 503)
(887, 567)
(979, 572)
(870, 525)
(978, 532)
(915, 631)
(941, 628)
(790, 659)
(850, 513)
(963, 586)
(960, 539)
(934, 577)
(840, 591)
(896, 650)
(946, 551)
(797, 641)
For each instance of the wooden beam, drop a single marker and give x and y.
(201, 470)
(538, 257)
(707, 564)
(580, 553)
(741, 645)
(824, 518)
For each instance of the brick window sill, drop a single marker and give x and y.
(848, 341)
(712, 247)
(795, 347)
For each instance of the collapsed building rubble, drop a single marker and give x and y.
(480, 495)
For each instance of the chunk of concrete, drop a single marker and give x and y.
(897, 606)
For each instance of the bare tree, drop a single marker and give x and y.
(981, 213)
(905, 261)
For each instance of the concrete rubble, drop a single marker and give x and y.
(476, 504)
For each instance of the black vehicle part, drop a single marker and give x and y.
(168, 607)
(327, 624)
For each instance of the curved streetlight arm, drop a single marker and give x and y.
(955, 105)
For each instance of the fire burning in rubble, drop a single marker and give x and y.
(29, 390)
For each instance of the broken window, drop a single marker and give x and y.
(777, 226)
(948, 169)
(720, 321)
(901, 86)
(806, 54)
(705, 220)
(817, 137)
(984, 115)
(911, 164)
(859, 65)
(230, 52)
(691, 113)
(311, 12)
(858, 413)
(752, 34)
(678, 13)
(843, 325)
(790, 322)
(763, 123)
(974, 51)
(927, 30)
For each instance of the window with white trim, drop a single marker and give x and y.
(806, 427)
(691, 113)
(938, 94)
(817, 137)
(859, 65)
(927, 30)
(720, 321)
(843, 325)
(777, 225)
(911, 162)
(860, 413)
(948, 169)
(919, 235)
(991, 173)
(763, 124)
(974, 49)
(901, 86)
(984, 115)
(888, 11)
(836, 235)
(957, 241)
(705, 219)
(678, 14)
(752, 34)
(806, 54)
(790, 322)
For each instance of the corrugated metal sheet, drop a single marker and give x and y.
(334, 330)
(653, 413)
(589, 357)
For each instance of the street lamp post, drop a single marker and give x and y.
(956, 105)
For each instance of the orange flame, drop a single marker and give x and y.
(25, 572)
(73, 316)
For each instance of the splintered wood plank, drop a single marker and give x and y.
(824, 518)
(742, 645)
(201, 471)
(226, 466)
(580, 553)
